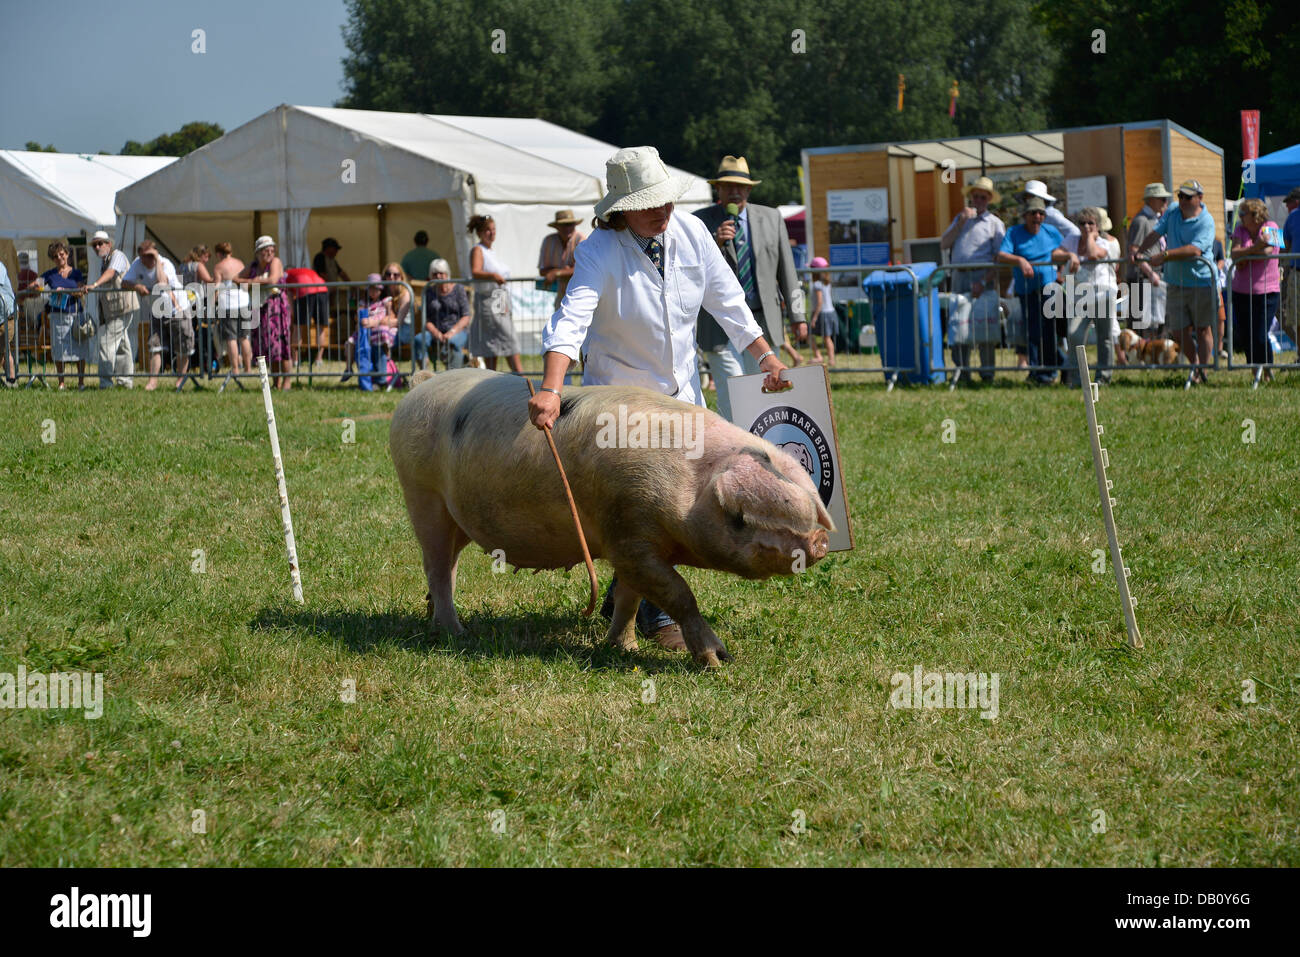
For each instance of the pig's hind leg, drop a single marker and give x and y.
(622, 625)
(441, 541)
(657, 580)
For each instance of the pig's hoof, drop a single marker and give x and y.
(713, 657)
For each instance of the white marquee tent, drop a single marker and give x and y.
(48, 196)
(371, 180)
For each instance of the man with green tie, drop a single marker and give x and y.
(755, 243)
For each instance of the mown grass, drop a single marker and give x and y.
(223, 695)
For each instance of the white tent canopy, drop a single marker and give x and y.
(371, 179)
(54, 195)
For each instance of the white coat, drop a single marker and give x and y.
(638, 328)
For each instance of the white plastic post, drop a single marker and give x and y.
(289, 544)
(1101, 460)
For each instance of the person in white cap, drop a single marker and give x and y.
(639, 282)
(1149, 310)
(1069, 232)
(271, 337)
(117, 315)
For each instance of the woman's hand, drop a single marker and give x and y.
(499, 279)
(774, 367)
(543, 409)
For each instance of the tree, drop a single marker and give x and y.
(543, 58)
(700, 80)
(1198, 71)
(185, 140)
(34, 147)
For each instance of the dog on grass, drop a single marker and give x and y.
(1134, 350)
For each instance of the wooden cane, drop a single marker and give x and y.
(573, 510)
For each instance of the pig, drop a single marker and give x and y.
(473, 468)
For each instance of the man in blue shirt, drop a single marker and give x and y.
(1291, 267)
(1023, 247)
(1192, 305)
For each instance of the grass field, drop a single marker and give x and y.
(529, 741)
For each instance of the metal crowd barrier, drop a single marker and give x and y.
(1254, 314)
(880, 332)
(1070, 307)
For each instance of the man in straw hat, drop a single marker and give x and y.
(1150, 311)
(975, 236)
(639, 282)
(756, 245)
(555, 259)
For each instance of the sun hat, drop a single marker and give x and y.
(100, 235)
(637, 178)
(1156, 191)
(1032, 201)
(262, 243)
(819, 262)
(564, 217)
(374, 279)
(1190, 187)
(1036, 187)
(985, 184)
(439, 265)
(734, 169)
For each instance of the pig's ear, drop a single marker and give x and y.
(823, 516)
(756, 492)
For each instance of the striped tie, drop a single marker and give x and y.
(743, 263)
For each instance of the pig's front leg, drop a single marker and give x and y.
(659, 582)
(622, 626)
(441, 541)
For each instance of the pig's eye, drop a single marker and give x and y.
(736, 520)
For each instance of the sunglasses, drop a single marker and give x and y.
(99, 242)
(392, 275)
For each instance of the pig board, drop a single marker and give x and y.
(800, 421)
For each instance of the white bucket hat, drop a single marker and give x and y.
(637, 178)
(262, 243)
(1036, 187)
(100, 234)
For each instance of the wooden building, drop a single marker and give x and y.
(922, 181)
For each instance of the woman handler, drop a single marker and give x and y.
(638, 285)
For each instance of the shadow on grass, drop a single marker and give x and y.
(538, 635)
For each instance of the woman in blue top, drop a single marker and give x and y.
(65, 311)
(1037, 242)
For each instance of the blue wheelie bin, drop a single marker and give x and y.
(892, 300)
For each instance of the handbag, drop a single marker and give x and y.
(118, 303)
(84, 328)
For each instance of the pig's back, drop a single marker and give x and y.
(465, 436)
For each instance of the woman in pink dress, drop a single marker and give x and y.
(271, 337)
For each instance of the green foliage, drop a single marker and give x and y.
(699, 81)
(185, 140)
(1198, 70)
(35, 147)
